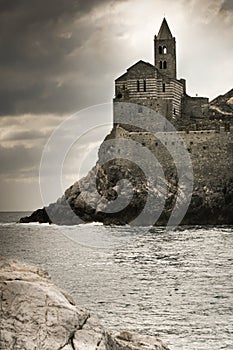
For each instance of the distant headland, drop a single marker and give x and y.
(204, 129)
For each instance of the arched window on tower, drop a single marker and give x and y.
(164, 50)
(144, 85)
(164, 64)
(138, 85)
(161, 65)
(160, 50)
(164, 87)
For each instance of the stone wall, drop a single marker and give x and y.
(165, 96)
(195, 107)
(143, 84)
(210, 152)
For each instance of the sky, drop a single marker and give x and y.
(58, 57)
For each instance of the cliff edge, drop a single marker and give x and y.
(99, 196)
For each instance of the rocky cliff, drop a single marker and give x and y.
(119, 191)
(36, 315)
(222, 106)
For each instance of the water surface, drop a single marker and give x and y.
(174, 285)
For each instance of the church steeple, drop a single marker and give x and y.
(165, 51)
(164, 32)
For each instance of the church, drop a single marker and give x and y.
(156, 85)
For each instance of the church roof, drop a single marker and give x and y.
(139, 63)
(122, 77)
(164, 32)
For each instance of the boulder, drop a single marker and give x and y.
(36, 315)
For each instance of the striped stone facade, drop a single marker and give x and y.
(143, 84)
(156, 86)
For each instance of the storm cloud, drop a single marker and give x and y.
(227, 5)
(40, 65)
(59, 56)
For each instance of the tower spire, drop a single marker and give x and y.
(164, 32)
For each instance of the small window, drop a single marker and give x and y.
(164, 87)
(123, 87)
(160, 50)
(161, 65)
(174, 111)
(138, 85)
(164, 64)
(164, 50)
(144, 85)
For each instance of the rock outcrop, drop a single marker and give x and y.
(36, 315)
(222, 106)
(209, 206)
(152, 181)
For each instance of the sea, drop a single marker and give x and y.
(173, 284)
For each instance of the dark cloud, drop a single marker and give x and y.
(18, 161)
(43, 11)
(226, 13)
(40, 43)
(227, 5)
(58, 56)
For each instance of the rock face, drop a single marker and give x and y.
(40, 215)
(222, 106)
(36, 315)
(93, 198)
(209, 206)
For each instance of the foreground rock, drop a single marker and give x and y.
(36, 315)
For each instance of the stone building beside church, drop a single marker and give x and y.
(157, 87)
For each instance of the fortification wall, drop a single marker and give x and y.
(210, 152)
(211, 155)
(163, 106)
(195, 107)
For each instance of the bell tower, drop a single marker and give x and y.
(165, 51)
